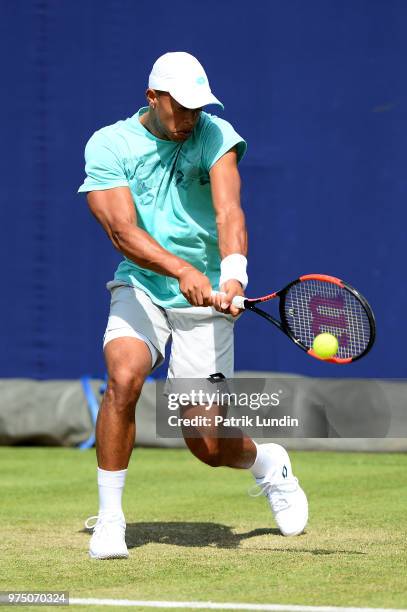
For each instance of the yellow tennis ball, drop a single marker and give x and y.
(325, 345)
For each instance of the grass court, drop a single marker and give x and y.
(195, 535)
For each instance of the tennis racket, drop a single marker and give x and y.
(317, 303)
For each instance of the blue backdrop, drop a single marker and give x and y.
(318, 88)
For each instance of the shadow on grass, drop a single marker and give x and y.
(199, 535)
(207, 534)
(189, 534)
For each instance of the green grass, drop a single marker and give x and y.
(194, 534)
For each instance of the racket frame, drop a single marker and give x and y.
(250, 304)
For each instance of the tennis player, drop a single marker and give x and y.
(165, 186)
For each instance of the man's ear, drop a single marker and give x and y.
(151, 96)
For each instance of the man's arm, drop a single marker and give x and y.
(115, 211)
(230, 220)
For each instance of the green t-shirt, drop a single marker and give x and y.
(170, 185)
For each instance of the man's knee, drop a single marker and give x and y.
(214, 457)
(207, 450)
(124, 387)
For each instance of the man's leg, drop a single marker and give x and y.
(269, 463)
(218, 446)
(128, 361)
(134, 343)
(202, 346)
(224, 446)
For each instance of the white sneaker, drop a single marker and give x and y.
(107, 541)
(287, 500)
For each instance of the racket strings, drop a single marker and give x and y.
(312, 307)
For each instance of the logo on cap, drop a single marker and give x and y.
(201, 80)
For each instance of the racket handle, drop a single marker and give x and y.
(237, 301)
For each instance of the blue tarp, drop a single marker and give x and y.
(317, 88)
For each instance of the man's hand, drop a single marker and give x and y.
(195, 286)
(223, 300)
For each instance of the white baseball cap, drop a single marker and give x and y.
(184, 78)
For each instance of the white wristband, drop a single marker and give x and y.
(233, 267)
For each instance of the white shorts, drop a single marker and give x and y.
(202, 337)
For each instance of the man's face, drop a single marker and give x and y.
(173, 121)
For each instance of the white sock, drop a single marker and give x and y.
(111, 485)
(269, 457)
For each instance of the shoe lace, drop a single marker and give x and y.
(88, 522)
(278, 493)
(101, 521)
